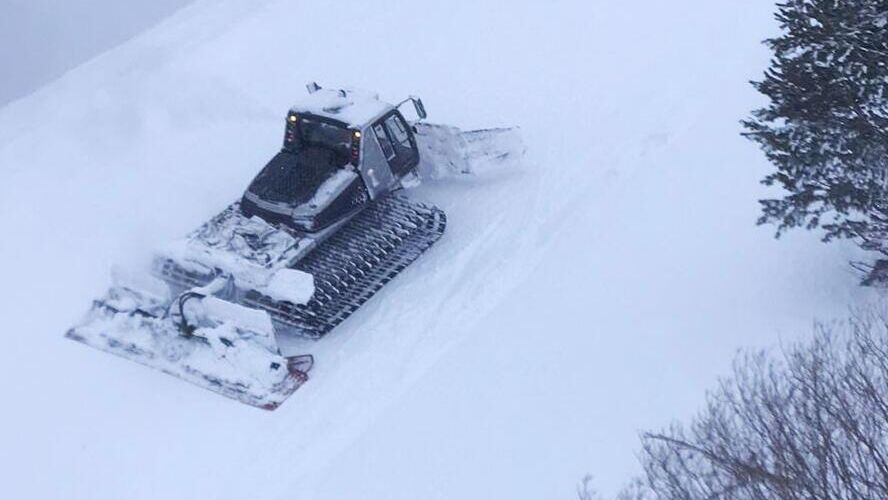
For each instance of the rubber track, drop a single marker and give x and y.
(349, 267)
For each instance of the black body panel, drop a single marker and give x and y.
(293, 178)
(290, 180)
(347, 203)
(248, 208)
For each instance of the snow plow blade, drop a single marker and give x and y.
(134, 325)
(269, 398)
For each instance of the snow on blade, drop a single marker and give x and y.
(214, 343)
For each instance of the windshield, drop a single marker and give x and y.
(311, 132)
(294, 177)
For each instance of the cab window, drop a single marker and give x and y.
(384, 141)
(398, 130)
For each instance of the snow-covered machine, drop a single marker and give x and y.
(316, 234)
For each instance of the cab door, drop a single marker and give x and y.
(397, 143)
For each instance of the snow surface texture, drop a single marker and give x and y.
(594, 292)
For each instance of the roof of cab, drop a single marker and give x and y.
(353, 107)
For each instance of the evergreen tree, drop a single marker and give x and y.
(826, 126)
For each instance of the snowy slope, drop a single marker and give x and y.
(595, 291)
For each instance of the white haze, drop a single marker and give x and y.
(41, 39)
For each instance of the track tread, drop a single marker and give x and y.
(349, 267)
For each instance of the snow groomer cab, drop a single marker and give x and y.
(342, 150)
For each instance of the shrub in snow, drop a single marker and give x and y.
(811, 423)
(826, 125)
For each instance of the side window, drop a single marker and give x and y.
(384, 141)
(398, 130)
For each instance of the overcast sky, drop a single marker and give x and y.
(41, 39)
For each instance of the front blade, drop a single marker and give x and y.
(248, 373)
